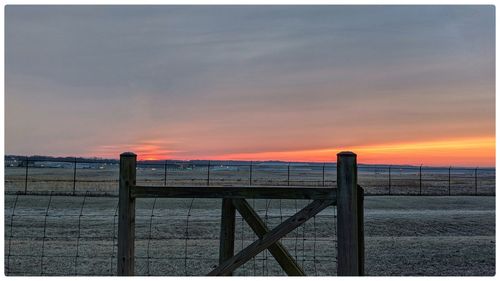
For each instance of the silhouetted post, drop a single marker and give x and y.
(420, 177)
(227, 227)
(208, 173)
(126, 221)
(74, 176)
(251, 168)
(26, 175)
(449, 181)
(348, 216)
(389, 180)
(323, 174)
(165, 173)
(475, 180)
(288, 175)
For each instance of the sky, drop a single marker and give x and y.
(394, 84)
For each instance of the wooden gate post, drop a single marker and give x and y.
(348, 240)
(126, 219)
(227, 227)
(361, 230)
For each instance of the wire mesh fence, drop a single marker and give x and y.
(61, 215)
(48, 235)
(76, 176)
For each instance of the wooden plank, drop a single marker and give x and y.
(361, 230)
(279, 252)
(242, 192)
(227, 227)
(126, 219)
(271, 237)
(347, 215)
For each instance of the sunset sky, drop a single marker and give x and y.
(394, 84)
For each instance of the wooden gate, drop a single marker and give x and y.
(348, 197)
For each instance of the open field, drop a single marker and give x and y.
(405, 235)
(44, 177)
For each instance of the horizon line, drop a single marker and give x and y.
(249, 161)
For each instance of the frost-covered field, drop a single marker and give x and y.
(404, 235)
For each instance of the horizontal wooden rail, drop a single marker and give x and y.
(241, 192)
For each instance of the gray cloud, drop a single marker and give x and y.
(260, 76)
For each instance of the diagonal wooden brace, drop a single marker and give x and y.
(271, 237)
(278, 251)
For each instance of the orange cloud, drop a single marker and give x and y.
(456, 152)
(459, 152)
(145, 150)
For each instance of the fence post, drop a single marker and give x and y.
(347, 216)
(323, 174)
(208, 173)
(74, 176)
(126, 221)
(361, 230)
(389, 180)
(288, 174)
(251, 166)
(227, 227)
(165, 173)
(449, 181)
(26, 175)
(420, 179)
(475, 180)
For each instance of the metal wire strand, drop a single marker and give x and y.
(242, 237)
(314, 247)
(264, 265)
(296, 232)
(11, 232)
(44, 234)
(186, 235)
(79, 234)
(253, 259)
(150, 237)
(304, 241)
(112, 258)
